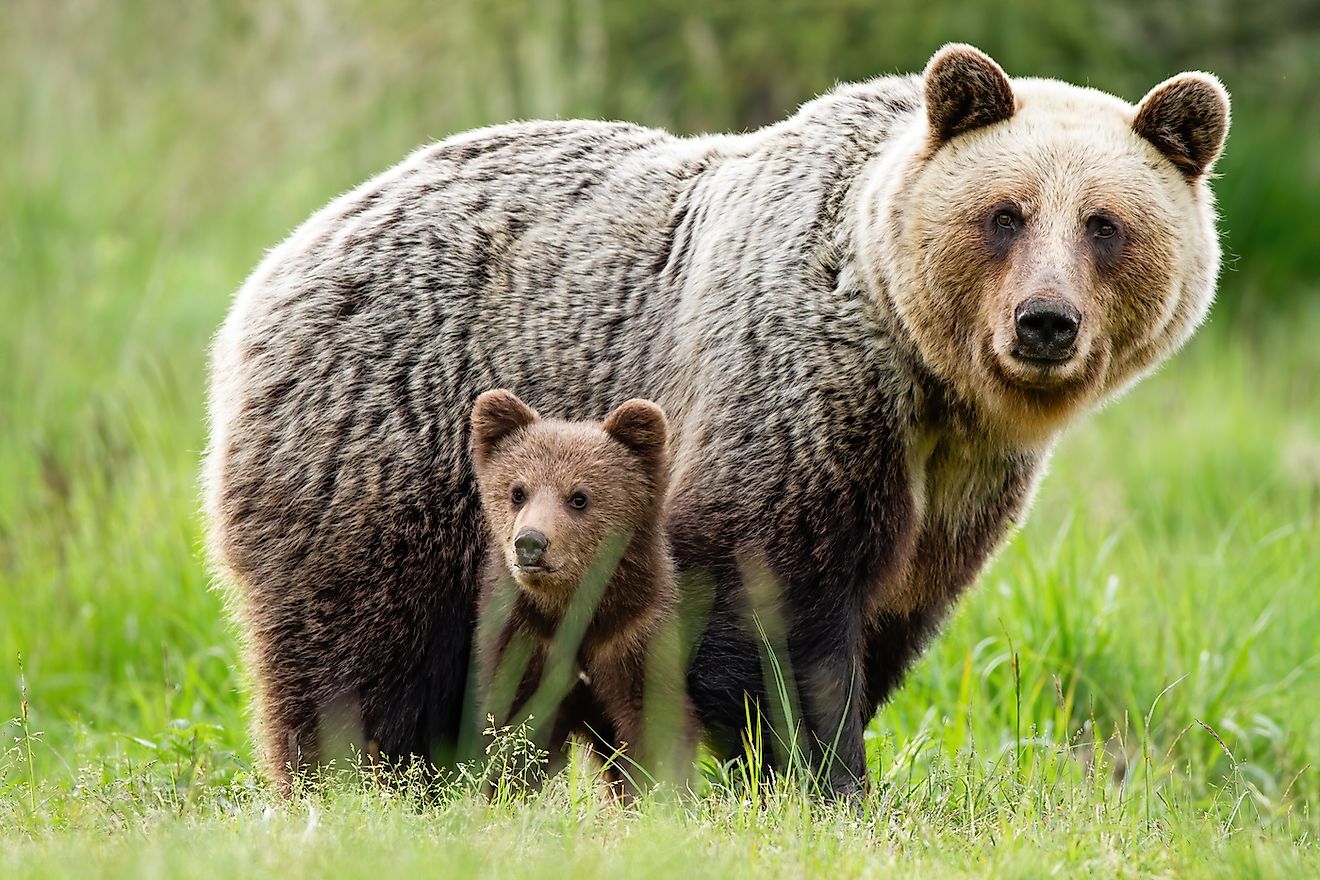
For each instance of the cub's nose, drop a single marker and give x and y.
(1046, 329)
(529, 547)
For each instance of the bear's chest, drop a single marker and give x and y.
(965, 502)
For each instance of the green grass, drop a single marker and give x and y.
(1158, 612)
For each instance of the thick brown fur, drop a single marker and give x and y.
(622, 690)
(826, 309)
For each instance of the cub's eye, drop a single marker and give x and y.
(578, 501)
(517, 496)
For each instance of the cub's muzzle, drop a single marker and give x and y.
(529, 548)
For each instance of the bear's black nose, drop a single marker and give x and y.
(1046, 329)
(529, 547)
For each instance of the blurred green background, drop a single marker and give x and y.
(151, 152)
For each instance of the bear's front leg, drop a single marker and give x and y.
(790, 666)
(893, 643)
(793, 570)
(826, 649)
(806, 601)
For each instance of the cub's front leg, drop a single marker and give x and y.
(512, 678)
(642, 693)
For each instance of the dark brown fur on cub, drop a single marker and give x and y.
(563, 501)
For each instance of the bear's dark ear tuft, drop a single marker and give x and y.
(965, 90)
(641, 426)
(495, 416)
(1186, 118)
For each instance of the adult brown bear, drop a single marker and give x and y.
(866, 323)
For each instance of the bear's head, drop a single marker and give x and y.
(553, 491)
(1042, 244)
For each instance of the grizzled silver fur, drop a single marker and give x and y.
(740, 282)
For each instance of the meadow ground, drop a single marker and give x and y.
(1132, 689)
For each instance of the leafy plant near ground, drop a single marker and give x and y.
(1131, 690)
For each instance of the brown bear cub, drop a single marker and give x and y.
(579, 601)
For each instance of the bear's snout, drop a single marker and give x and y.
(529, 547)
(1046, 329)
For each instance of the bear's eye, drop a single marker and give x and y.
(517, 496)
(1101, 227)
(1000, 228)
(578, 500)
(1108, 239)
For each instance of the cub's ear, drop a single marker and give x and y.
(1186, 118)
(495, 416)
(641, 426)
(965, 89)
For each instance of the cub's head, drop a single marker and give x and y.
(553, 491)
(1045, 244)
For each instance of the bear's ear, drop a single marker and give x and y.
(641, 426)
(495, 416)
(1186, 118)
(965, 89)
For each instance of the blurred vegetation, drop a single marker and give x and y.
(151, 152)
(238, 93)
